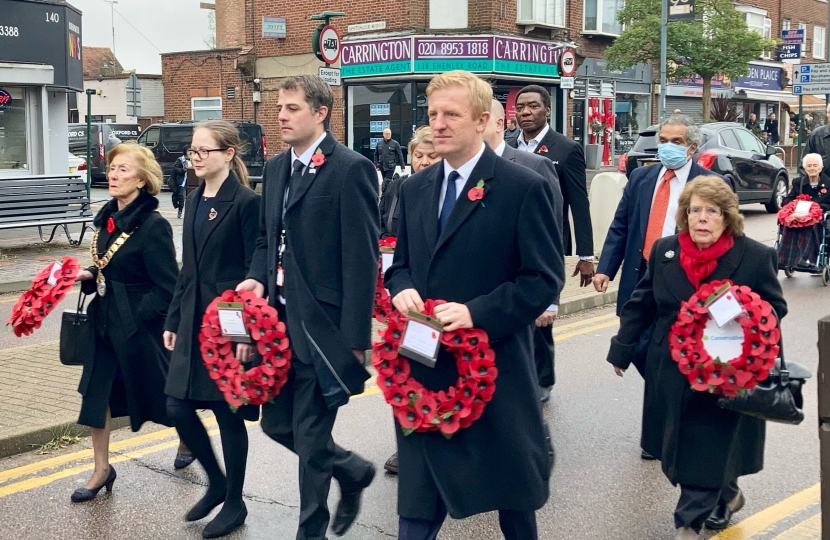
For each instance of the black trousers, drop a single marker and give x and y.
(696, 504)
(300, 421)
(177, 194)
(544, 354)
(514, 525)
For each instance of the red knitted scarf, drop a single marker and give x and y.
(699, 263)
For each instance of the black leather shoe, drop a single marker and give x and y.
(391, 464)
(85, 494)
(544, 393)
(182, 461)
(223, 525)
(719, 520)
(646, 456)
(349, 505)
(206, 504)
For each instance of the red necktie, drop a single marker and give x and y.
(657, 216)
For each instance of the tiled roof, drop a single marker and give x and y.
(100, 61)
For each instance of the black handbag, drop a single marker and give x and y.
(77, 342)
(776, 399)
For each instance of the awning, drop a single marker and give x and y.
(811, 103)
(760, 95)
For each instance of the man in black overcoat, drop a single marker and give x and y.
(543, 349)
(316, 259)
(490, 259)
(532, 112)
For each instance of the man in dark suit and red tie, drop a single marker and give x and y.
(490, 259)
(532, 113)
(646, 212)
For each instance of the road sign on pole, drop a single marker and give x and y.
(812, 79)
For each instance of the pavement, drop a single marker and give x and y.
(31, 366)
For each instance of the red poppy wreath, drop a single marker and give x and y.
(447, 411)
(687, 343)
(259, 384)
(383, 302)
(48, 288)
(787, 218)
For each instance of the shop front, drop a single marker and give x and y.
(386, 79)
(610, 108)
(686, 95)
(761, 92)
(40, 64)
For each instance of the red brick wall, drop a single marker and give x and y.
(200, 74)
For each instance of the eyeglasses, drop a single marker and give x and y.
(203, 153)
(711, 211)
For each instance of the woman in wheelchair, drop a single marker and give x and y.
(800, 246)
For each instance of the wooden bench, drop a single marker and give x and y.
(45, 201)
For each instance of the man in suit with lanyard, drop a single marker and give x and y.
(316, 258)
(494, 136)
(532, 113)
(490, 259)
(646, 212)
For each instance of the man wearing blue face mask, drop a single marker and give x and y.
(647, 211)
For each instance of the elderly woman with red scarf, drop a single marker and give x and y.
(702, 447)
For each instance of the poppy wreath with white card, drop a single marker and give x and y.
(48, 288)
(419, 409)
(383, 302)
(731, 357)
(788, 216)
(260, 384)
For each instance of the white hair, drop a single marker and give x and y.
(814, 156)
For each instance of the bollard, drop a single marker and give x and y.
(823, 381)
(604, 196)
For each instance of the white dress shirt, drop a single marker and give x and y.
(464, 173)
(676, 185)
(531, 145)
(499, 150)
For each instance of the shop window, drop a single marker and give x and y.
(601, 16)
(631, 113)
(375, 107)
(541, 12)
(206, 108)
(14, 143)
(819, 41)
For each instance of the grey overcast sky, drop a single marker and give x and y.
(167, 25)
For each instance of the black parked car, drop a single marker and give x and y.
(104, 137)
(729, 149)
(168, 141)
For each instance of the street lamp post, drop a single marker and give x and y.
(112, 20)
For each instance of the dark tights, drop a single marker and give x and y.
(234, 446)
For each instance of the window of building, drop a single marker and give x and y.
(785, 24)
(108, 118)
(14, 143)
(206, 108)
(819, 41)
(601, 16)
(542, 12)
(805, 46)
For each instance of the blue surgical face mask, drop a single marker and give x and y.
(672, 156)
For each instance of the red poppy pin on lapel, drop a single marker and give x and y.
(823, 190)
(212, 215)
(110, 225)
(543, 149)
(317, 160)
(477, 193)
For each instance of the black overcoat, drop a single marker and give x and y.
(331, 258)
(214, 262)
(494, 256)
(569, 159)
(130, 317)
(698, 443)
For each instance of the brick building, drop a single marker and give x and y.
(390, 50)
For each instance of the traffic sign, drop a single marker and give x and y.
(330, 75)
(812, 79)
(567, 63)
(566, 83)
(811, 89)
(329, 44)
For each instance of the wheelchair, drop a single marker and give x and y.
(822, 266)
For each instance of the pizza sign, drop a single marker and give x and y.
(5, 99)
